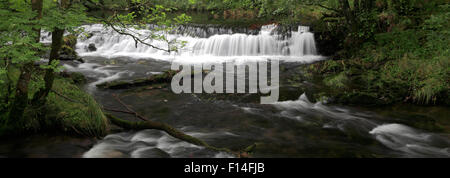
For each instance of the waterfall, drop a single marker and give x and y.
(301, 43)
(201, 41)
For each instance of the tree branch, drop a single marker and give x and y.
(129, 109)
(148, 124)
(174, 133)
(329, 8)
(135, 38)
(325, 7)
(122, 32)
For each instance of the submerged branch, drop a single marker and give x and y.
(148, 124)
(116, 110)
(129, 109)
(174, 133)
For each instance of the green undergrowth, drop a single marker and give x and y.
(77, 112)
(68, 110)
(407, 64)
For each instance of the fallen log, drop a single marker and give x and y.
(148, 124)
(165, 77)
(141, 125)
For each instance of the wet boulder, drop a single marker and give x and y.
(151, 153)
(70, 40)
(92, 47)
(65, 57)
(76, 77)
(89, 35)
(67, 51)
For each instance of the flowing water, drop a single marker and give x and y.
(292, 127)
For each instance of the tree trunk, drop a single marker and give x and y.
(356, 5)
(57, 38)
(21, 96)
(367, 5)
(345, 6)
(36, 5)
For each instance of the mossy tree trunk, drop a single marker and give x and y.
(351, 12)
(57, 38)
(40, 97)
(21, 96)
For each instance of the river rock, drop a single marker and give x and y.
(76, 77)
(114, 154)
(65, 57)
(89, 35)
(92, 47)
(151, 153)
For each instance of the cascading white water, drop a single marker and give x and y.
(303, 42)
(241, 44)
(110, 43)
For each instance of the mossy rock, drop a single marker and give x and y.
(68, 46)
(75, 113)
(165, 77)
(70, 40)
(67, 50)
(75, 77)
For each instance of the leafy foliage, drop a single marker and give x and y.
(141, 16)
(20, 48)
(408, 63)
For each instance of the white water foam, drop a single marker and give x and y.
(101, 73)
(338, 117)
(152, 143)
(411, 142)
(414, 142)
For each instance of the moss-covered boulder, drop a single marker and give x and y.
(69, 43)
(70, 40)
(68, 110)
(71, 110)
(68, 48)
(76, 77)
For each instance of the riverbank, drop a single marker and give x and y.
(68, 110)
(407, 63)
